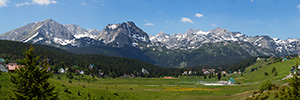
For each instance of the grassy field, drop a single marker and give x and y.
(185, 87)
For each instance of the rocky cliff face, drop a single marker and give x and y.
(124, 34)
(79, 32)
(194, 38)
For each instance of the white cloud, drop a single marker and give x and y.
(149, 24)
(198, 15)
(184, 19)
(22, 4)
(214, 25)
(299, 8)
(84, 4)
(251, 0)
(3, 3)
(44, 2)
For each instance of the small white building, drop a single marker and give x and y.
(61, 70)
(144, 71)
(81, 72)
(3, 68)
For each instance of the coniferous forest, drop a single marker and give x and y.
(58, 58)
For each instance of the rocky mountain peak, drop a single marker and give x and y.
(219, 30)
(122, 34)
(79, 32)
(49, 20)
(162, 33)
(192, 31)
(128, 34)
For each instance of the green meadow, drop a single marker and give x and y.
(82, 87)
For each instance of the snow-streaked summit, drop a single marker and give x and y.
(123, 34)
(50, 32)
(79, 32)
(195, 38)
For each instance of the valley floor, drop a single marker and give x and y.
(182, 88)
(139, 89)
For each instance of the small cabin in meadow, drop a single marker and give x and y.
(3, 68)
(223, 72)
(144, 71)
(61, 70)
(11, 67)
(208, 71)
(81, 72)
(2, 61)
(231, 81)
(284, 59)
(91, 66)
(185, 73)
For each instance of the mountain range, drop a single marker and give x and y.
(217, 47)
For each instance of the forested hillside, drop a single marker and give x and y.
(12, 51)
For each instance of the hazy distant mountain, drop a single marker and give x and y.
(192, 48)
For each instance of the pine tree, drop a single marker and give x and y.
(274, 70)
(31, 81)
(219, 75)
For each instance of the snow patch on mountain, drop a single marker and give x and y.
(195, 38)
(85, 34)
(36, 40)
(113, 26)
(64, 41)
(202, 33)
(34, 35)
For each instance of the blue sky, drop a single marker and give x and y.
(276, 18)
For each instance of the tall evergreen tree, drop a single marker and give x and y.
(219, 75)
(31, 81)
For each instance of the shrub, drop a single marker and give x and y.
(263, 97)
(276, 95)
(274, 70)
(116, 94)
(70, 75)
(255, 92)
(266, 73)
(67, 90)
(275, 74)
(267, 85)
(78, 93)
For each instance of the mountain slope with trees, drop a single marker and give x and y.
(58, 58)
